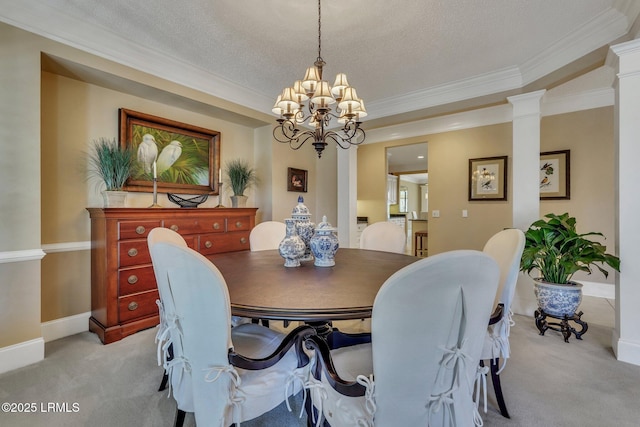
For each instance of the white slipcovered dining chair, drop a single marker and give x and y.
(505, 247)
(199, 331)
(383, 236)
(428, 326)
(267, 235)
(263, 237)
(157, 235)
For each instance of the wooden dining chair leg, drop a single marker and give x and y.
(165, 380)
(180, 414)
(495, 379)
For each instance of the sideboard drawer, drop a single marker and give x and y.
(240, 223)
(134, 280)
(183, 226)
(217, 243)
(133, 252)
(136, 229)
(213, 225)
(139, 305)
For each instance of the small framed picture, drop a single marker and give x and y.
(488, 178)
(554, 175)
(297, 180)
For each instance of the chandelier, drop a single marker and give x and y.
(317, 114)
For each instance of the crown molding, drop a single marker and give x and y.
(42, 19)
(477, 86)
(600, 31)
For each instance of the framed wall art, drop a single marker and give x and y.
(488, 178)
(554, 175)
(185, 158)
(297, 180)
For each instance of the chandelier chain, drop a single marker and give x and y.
(319, 32)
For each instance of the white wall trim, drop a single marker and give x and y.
(22, 354)
(19, 256)
(625, 351)
(596, 98)
(66, 247)
(66, 326)
(599, 290)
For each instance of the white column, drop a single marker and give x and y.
(347, 197)
(525, 192)
(626, 334)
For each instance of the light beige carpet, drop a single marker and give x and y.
(547, 383)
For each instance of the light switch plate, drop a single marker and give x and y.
(435, 214)
(465, 213)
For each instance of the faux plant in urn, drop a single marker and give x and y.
(112, 164)
(241, 176)
(556, 250)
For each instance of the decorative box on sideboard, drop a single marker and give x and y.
(123, 286)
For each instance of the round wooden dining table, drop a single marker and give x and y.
(260, 286)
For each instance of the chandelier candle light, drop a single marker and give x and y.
(290, 108)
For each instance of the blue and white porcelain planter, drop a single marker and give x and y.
(558, 300)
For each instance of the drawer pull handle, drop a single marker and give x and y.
(174, 228)
(133, 306)
(133, 279)
(216, 226)
(132, 252)
(243, 240)
(208, 244)
(140, 229)
(238, 224)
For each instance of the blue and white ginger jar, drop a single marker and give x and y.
(304, 227)
(291, 248)
(324, 244)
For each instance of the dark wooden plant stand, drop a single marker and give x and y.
(563, 326)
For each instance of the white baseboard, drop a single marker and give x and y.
(22, 354)
(597, 289)
(625, 351)
(66, 326)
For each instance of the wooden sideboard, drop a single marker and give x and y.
(123, 285)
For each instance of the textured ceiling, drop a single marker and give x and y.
(401, 56)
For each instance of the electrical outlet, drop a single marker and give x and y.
(435, 214)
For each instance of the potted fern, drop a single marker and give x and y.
(112, 164)
(554, 248)
(241, 176)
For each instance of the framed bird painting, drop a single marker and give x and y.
(183, 158)
(554, 175)
(488, 179)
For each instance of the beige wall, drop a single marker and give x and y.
(44, 112)
(20, 188)
(589, 136)
(448, 157)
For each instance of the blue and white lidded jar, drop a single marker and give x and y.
(304, 227)
(324, 244)
(291, 248)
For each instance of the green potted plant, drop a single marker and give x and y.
(554, 248)
(241, 176)
(112, 164)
